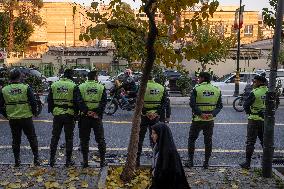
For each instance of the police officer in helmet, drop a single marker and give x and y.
(154, 102)
(92, 102)
(18, 104)
(62, 104)
(254, 106)
(206, 103)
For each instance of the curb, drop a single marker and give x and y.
(277, 173)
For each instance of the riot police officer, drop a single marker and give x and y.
(154, 102)
(92, 102)
(206, 103)
(62, 104)
(18, 104)
(254, 106)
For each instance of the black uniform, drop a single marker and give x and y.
(65, 121)
(86, 124)
(24, 124)
(146, 123)
(205, 126)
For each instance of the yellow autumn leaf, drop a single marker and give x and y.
(4, 183)
(39, 179)
(14, 185)
(18, 174)
(235, 186)
(84, 184)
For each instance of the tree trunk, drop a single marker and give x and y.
(11, 28)
(130, 166)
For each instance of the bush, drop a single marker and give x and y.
(184, 83)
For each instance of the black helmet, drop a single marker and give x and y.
(260, 78)
(15, 74)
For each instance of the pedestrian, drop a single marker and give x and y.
(206, 103)
(166, 111)
(62, 104)
(254, 106)
(167, 170)
(92, 102)
(18, 104)
(154, 102)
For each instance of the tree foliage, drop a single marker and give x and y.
(22, 32)
(147, 41)
(27, 10)
(269, 18)
(208, 47)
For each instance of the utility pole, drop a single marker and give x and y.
(269, 120)
(237, 80)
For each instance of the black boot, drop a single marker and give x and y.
(189, 163)
(205, 164)
(246, 164)
(52, 159)
(17, 162)
(69, 161)
(36, 160)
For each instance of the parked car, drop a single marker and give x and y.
(227, 82)
(81, 74)
(172, 77)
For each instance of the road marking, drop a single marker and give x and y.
(129, 122)
(146, 149)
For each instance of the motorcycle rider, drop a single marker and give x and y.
(254, 106)
(92, 101)
(128, 87)
(154, 102)
(18, 104)
(62, 103)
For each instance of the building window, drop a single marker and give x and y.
(248, 31)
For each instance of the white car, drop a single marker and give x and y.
(227, 82)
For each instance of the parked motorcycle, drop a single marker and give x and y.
(239, 101)
(39, 103)
(115, 101)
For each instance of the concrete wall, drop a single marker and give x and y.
(228, 66)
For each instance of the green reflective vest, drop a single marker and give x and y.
(207, 97)
(91, 92)
(153, 96)
(258, 107)
(16, 101)
(62, 92)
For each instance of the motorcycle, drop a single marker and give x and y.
(115, 101)
(39, 103)
(239, 101)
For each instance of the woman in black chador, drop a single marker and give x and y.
(167, 170)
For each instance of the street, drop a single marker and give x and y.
(228, 139)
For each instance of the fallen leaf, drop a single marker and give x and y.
(84, 184)
(4, 183)
(39, 179)
(18, 174)
(222, 170)
(14, 185)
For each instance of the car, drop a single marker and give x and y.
(172, 76)
(227, 82)
(81, 74)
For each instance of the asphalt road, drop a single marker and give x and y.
(228, 140)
